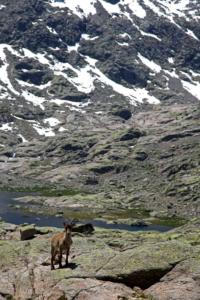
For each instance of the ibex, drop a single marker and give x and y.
(61, 243)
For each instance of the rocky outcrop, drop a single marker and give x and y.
(105, 265)
(27, 232)
(181, 283)
(62, 89)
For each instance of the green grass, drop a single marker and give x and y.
(50, 191)
(57, 193)
(167, 221)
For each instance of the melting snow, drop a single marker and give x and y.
(43, 131)
(41, 86)
(166, 8)
(171, 60)
(52, 30)
(195, 74)
(38, 56)
(62, 129)
(123, 44)
(87, 7)
(82, 81)
(99, 112)
(52, 121)
(192, 88)
(171, 73)
(80, 8)
(87, 37)
(3, 92)
(149, 63)
(73, 48)
(191, 33)
(146, 33)
(6, 127)
(176, 7)
(134, 94)
(135, 7)
(151, 35)
(4, 68)
(34, 99)
(23, 138)
(125, 35)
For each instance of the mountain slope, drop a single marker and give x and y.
(63, 56)
(102, 96)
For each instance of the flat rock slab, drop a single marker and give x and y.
(105, 265)
(183, 282)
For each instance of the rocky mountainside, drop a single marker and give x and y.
(62, 58)
(102, 96)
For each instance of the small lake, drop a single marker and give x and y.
(17, 216)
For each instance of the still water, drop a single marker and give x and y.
(17, 216)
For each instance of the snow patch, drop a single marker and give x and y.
(23, 138)
(81, 8)
(73, 48)
(62, 129)
(88, 37)
(147, 34)
(43, 131)
(124, 44)
(168, 9)
(38, 56)
(87, 7)
(150, 35)
(37, 101)
(6, 127)
(171, 60)
(193, 88)
(40, 87)
(171, 73)
(134, 95)
(52, 121)
(150, 64)
(52, 30)
(4, 77)
(135, 7)
(124, 35)
(191, 33)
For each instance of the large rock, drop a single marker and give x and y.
(27, 232)
(31, 71)
(183, 282)
(128, 259)
(84, 228)
(61, 88)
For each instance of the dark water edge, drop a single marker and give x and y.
(17, 216)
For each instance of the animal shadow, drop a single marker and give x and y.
(70, 266)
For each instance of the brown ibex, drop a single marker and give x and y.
(60, 243)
